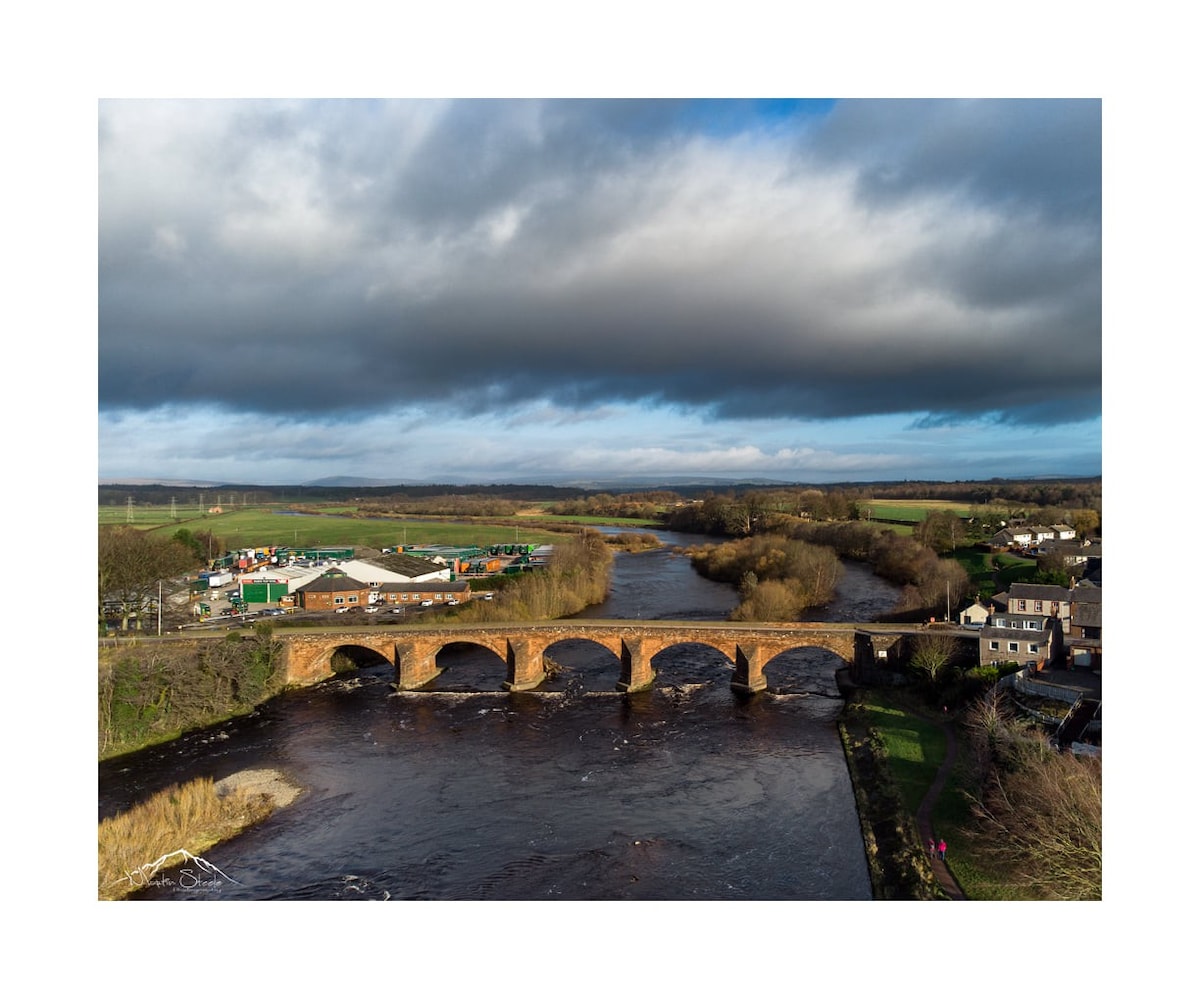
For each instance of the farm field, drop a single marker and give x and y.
(255, 526)
(916, 510)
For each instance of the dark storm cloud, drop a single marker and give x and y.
(1040, 155)
(337, 257)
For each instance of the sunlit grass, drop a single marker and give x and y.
(915, 747)
(264, 525)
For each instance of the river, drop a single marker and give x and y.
(462, 791)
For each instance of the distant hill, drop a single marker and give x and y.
(350, 482)
(177, 483)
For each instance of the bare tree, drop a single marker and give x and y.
(932, 653)
(1037, 811)
(131, 563)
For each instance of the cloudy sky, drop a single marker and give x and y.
(516, 290)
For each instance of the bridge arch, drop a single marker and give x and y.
(586, 663)
(804, 668)
(472, 664)
(693, 662)
(354, 655)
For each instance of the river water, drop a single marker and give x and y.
(575, 791)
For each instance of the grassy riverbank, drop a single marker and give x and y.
(151, 840)
(878, 751)
(894, 747)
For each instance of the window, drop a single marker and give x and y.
(1037, 605)
(354, 598)
(339, 600)
(993, 646)
(1012, 646)
(1033, 648)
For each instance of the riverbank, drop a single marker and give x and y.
(175, 827)
(896, 857)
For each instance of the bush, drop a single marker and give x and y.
(154, 691)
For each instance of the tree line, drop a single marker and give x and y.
(796, 557)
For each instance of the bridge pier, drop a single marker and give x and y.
(525, 666)
(636, 671)
(416, 664)
(748, 677)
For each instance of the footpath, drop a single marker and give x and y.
(925, 822)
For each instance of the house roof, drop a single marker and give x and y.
(1038, 591)
(1087, 616)
(991, 631)
(333, 582)
(441, 585)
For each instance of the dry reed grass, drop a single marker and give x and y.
(191, 817)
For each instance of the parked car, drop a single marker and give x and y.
(451, 602)
(370, 610)
(426, 603)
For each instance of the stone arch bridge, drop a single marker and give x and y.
(413, 651)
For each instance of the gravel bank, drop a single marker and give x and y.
(272, 783)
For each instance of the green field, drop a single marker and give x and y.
(261, 526)
(911, 510)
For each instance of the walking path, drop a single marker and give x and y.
(925, 823)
